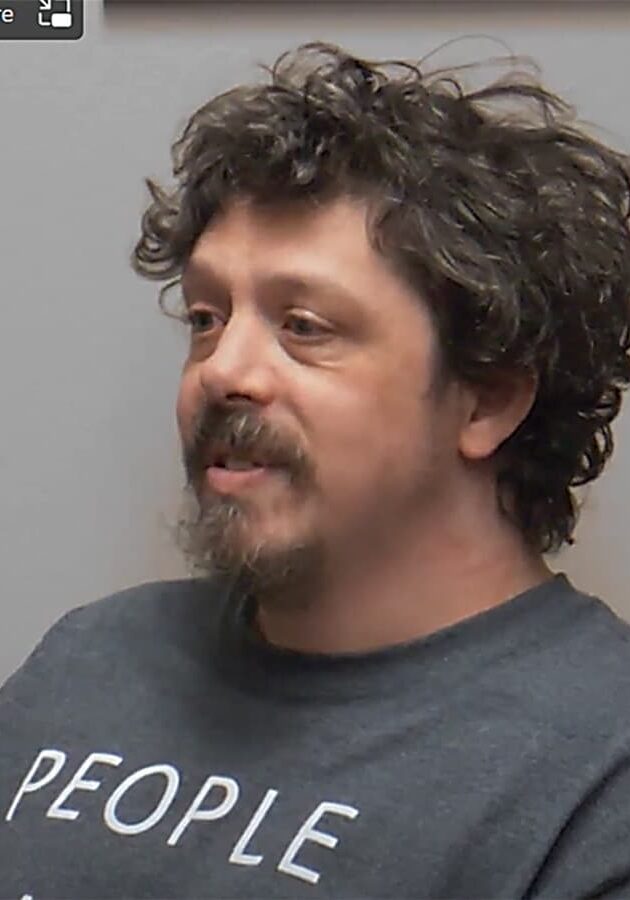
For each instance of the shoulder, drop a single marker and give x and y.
(150, 616)
(138, 604)
(576, 674)
(580, 682)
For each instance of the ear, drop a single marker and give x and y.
(495, 412)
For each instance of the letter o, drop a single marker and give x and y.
(172, 784)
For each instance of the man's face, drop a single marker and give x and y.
(307, 349)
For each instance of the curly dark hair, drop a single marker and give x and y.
(509, 220)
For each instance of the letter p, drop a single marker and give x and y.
(31, 784)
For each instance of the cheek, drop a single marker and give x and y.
(381, 430)
(367, 434)
(186, 407)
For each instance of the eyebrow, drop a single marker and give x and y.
(205, 276)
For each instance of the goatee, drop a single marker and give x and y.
(212, 539)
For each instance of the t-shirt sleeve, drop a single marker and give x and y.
(590, 860)
(43, 669)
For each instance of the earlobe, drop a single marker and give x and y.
(497, 412)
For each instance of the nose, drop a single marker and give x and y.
(240, 364)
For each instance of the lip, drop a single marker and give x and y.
(226, 481)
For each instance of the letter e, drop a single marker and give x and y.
(308, 833)
(78, 784)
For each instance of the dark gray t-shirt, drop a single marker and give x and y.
(153, 747)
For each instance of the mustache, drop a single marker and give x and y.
(243, 432)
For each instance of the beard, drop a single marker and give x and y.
(217, 539)
(217, 534)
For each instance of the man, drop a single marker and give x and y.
(408, 318)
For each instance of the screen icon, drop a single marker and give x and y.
(49, 18)
(41, 20)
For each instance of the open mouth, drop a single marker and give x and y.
(237, 465)
(225, 479)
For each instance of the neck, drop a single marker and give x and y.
(424, 581)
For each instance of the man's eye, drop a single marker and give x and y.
(302, 326)
(307, 327)
(198, 319)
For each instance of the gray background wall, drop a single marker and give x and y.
(89, 457)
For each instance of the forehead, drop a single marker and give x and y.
(297, 224)
(323, 247)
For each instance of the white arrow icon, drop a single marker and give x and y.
(43, 5)
(46, 6)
